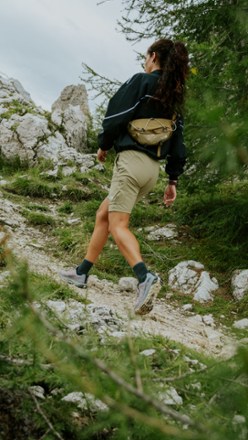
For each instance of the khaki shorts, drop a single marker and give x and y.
(134, 175)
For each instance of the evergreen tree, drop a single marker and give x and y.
(215, 32)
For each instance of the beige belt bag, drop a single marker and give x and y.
(151, 131)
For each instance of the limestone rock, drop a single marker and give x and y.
(85, 401)
(3, 182)
(128, 284)
(187, 307)
(170, 397)
(68, 171)
(168, 232)
(56, 149)
(241, 324)
(10, 146)
(9, 213)
(31, 129)
(208, 320)
(71, 111)
(37, 391)
(189, 278)
(4, 278)
(11, 89)
(148, 352)
(204, 288)
(240, 283)
(78, 316)
(27, 132)
(20, 136)
(184, 276)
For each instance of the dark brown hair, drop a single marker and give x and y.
(174, 62)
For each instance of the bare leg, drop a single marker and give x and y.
(100, 233)
(124, 238)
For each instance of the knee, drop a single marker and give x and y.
(102, 215)
(115, 229)
(118, 222)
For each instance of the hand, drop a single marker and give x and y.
(101, 155)
(170, 195)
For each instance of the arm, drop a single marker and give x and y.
(175, 164)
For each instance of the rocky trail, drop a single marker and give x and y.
(165, 320)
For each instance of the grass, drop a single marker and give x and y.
(38, 218)
(212, 225)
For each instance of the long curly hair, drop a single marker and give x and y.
(174, 62)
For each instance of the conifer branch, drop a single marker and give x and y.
(43, 415)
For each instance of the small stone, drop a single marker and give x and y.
(3, 182)
(37, 391)
(240, 427)
(187, 307)
(118, 334)
(56, 306)
(238, 419)
(205, 287)
(128, 284)
(85, 401)
(50, 173)
(73, 221)
(208, 320)
(148, 352)
(4, 277)
(68, 171)
(195, 318)
(196, 386)
(240, 284)
(99, 167)
(191, 361)
(166, 232)
(171, 397)
(241, 324)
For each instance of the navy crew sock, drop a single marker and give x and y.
(84, 267)
(140, 271)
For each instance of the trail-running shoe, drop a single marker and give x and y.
(147, 292)
(71, 277)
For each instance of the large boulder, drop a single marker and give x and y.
(71, 111)
(30, 133)
(21, 136)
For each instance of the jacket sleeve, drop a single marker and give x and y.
(120, 110)
(176, 157)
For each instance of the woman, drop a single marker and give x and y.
(157, 93)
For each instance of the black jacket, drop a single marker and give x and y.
(134, 100)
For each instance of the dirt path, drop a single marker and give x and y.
(165, 319)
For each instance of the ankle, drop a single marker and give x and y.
(140, 271)
(84, 267)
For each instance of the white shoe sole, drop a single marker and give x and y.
(147, 306)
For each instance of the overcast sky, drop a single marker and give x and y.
(44, 42)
